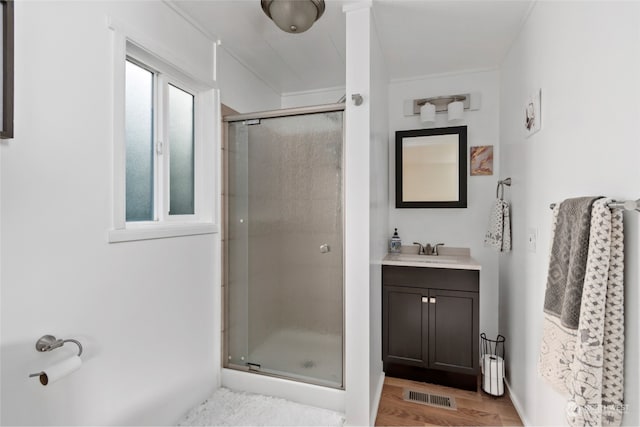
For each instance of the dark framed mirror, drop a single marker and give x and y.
(431, 168)
(6, 88)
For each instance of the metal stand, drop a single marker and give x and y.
(492, 365)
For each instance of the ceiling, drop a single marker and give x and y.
(417, 37)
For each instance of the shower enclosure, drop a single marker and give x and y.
(283, 281)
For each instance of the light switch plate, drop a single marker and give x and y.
(532, 238)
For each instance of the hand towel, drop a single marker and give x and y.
(498, 235)
(567, 265)
(568, 260)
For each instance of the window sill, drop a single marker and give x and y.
(160, 231)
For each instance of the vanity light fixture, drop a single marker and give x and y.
(293, 16)
(454, 105)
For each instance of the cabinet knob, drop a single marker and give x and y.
(425, 299)
(432, 300)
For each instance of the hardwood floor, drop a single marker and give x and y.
(473, 408)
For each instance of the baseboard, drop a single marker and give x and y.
(376, 400)
(516, 404)
(433, 376)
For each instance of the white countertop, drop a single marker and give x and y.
(455, 262)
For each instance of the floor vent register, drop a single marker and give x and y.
(435, 400)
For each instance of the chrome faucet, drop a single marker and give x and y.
(428, 249)
(435, 248)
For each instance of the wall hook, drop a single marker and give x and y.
(357, 99)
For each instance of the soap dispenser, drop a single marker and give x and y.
(395, 243)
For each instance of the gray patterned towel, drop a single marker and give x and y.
(498, 235)
(568, 260)
(567, 263)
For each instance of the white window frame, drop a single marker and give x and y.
(206, 132)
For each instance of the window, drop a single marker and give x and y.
(145, 148)
(181, 195)
(140, 141)
(160, 148)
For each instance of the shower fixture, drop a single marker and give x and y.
(293, 16)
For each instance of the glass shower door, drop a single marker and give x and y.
(284, 304)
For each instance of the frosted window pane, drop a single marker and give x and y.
(139, 143)
(181, 188)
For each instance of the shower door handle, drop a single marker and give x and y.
(324, 248)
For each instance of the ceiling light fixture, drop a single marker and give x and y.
(293, 16)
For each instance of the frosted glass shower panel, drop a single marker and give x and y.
(285, 217)
(139, 143)
(181, 138)
(237, 246)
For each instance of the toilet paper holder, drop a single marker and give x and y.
(49, 342)
(492, 365)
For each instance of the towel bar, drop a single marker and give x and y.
(628, 205)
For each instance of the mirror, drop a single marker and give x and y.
(431, 168)
(6, 69)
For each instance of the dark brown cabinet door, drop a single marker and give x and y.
(453, 331)
(404, 320)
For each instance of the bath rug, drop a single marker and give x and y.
(232, 408)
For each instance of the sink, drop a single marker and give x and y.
(455, 259)
(425, 258)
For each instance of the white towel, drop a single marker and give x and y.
(597, 378)
(498, 234)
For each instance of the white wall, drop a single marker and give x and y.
(357, 199)
(454, 227)
(147, 312)
(584, 56)
(312, 97)
(379, 212)
(240, 88)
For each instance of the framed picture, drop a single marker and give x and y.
(6, 88)
(533, 114)
(481, 159)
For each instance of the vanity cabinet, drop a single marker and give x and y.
(430, 324)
